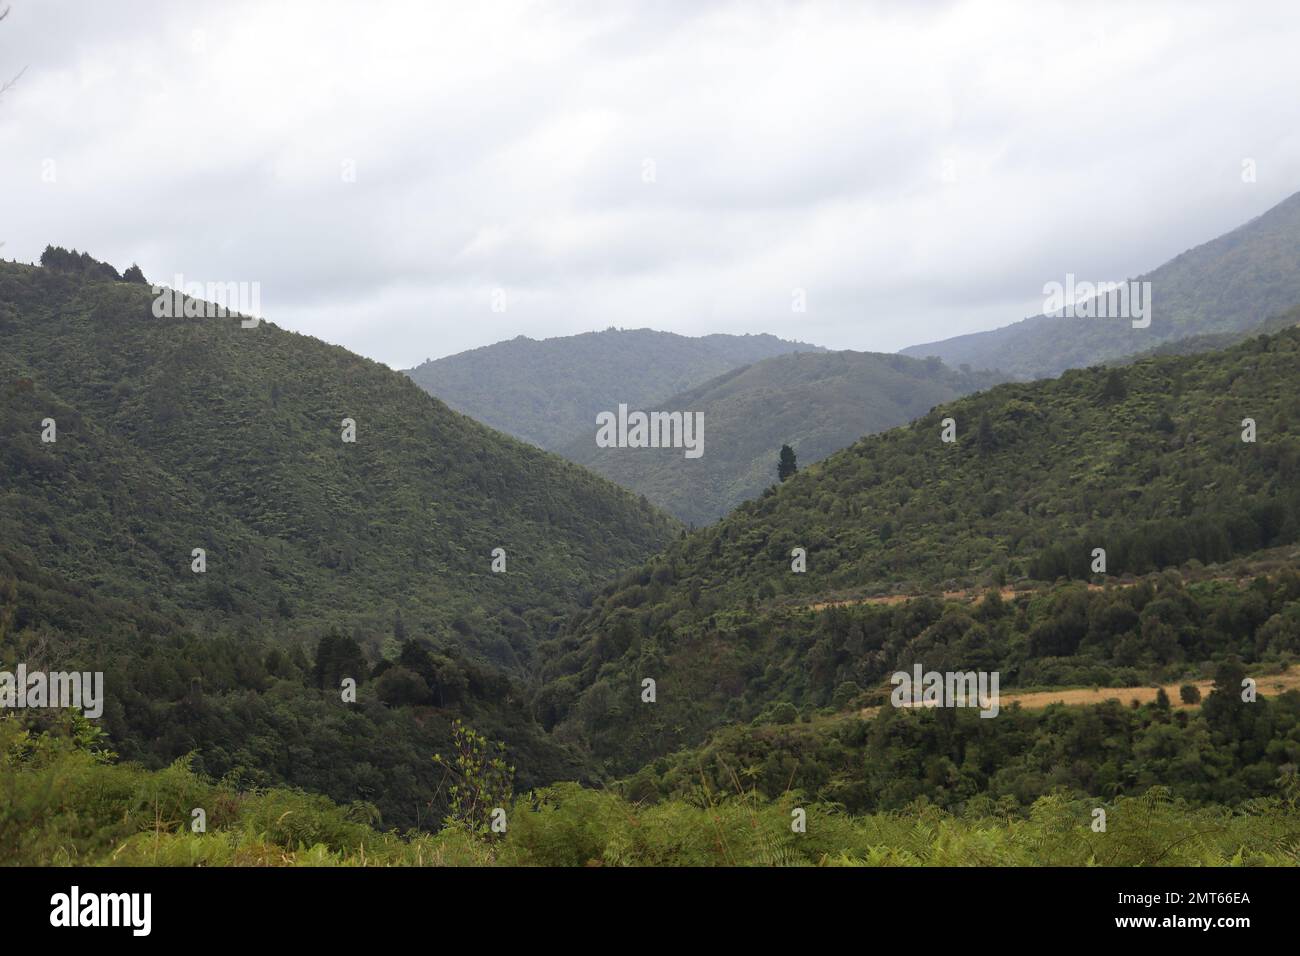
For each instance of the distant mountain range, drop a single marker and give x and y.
(816, 402)
(1230, 284)
(758, 392)
(546, 391)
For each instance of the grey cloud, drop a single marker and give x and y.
(795, 146)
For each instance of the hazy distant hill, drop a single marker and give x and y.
(547, 391)
(1230, 284)
(816, 402)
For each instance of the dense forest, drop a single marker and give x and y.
(324, 559)
(177, 434)
(1145, 462)
(331, 562)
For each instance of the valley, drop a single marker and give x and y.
(379, 563)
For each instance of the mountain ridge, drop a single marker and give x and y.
(545, 391)
(1230, 283)
(816, 402)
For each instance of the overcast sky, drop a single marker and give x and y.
(919, 170)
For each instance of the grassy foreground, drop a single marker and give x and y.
(62, 801)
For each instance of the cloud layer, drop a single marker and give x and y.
(383, 169)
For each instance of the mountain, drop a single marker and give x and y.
(1145, 461)
(1230, 284)
(373, 556)
(547, 391)
(816, 402)
(175, 434)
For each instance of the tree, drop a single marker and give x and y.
(337, 657)
(985, 440)
(481, 780)
(58, 259)
(783, 712)
(54, 257)
(134, 274)
(1189, 694)
(1114, 388)
(400, 686)
(786, 466)
(1223, 708)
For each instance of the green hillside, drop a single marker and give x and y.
(548, 391)
(1146, 462)
(325, 560)
(1212, 341)
(816, 402)
(1231, 284)
(259, 709)
(175, 434)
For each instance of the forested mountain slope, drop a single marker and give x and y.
(816, 402)
(1145, 461)
(326, 561)
(547, 391)
(176, 434)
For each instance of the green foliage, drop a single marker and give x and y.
(58, 259)
(247, 708)
(1225, 756)
(482, 780)
(786, 464)
(1063, 471)
(59, 806)
(716, 620)
(183, 433)
(175, 434)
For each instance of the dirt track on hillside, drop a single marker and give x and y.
(975, 595)
(1269, 684)
(965, 595)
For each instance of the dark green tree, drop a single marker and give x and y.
(786, 466)
(337, 657)
(1115, 388)
(985, 440)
